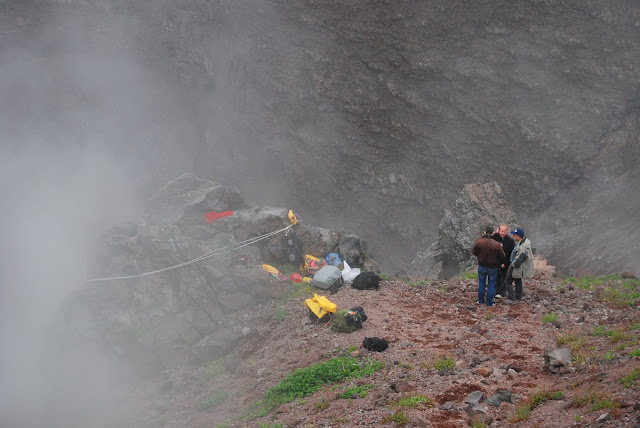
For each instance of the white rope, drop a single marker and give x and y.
(212, 253)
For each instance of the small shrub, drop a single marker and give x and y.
(414, 401)
(574, 340)
(398, 418)
(599, 330)
(618, 335)
(324, 404)
(551, 317)
(629, 379)
(356, 392)
(212, 401)
(523, 411)
(595, 401)
(635, 353)
(444, 363)
(489, 316)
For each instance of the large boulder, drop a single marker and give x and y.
(163, 290)
(477, 206)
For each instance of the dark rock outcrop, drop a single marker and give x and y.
(182, 310)
(479, 205)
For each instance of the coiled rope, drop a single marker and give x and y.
(212, 253)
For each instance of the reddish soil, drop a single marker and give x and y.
(423, 323)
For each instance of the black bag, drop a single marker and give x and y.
(366, 281)
(356, 316)
(292, 252)
(377, 344)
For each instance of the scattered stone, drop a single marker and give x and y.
(512, 373)
(499, 397)
(556, 360)
(603, 418)
(628, 275)
(449, 405)
(246, 331)
(475, 397)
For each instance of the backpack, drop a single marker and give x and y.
(328, 278)
(377, 344)
(292, 249)
(348, 320)
(366, 281)
(320, 308)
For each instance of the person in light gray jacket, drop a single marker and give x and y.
(521, 265)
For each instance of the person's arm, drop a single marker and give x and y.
(521, 258)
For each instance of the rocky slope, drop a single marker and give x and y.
(370, 115)
(497, 356)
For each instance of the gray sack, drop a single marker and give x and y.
(328, 278)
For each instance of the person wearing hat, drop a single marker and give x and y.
(521, 265)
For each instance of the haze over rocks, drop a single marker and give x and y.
(170, 340)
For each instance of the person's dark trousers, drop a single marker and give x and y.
(509, 285)
(501, 288)
(487, 275)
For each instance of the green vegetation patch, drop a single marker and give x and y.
(630, 379)
(356, 392)
(523, 411)
(444, 363)
(305, 381)
(635, 353)
(398, 418)
(618, 291)
(469, 275)
(414, 401)
(594, 401)
(573, 339)
(551, 317)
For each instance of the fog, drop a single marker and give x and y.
(87, 131)
(105, 101)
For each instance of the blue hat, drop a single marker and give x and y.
(518, 232)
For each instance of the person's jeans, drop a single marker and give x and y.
(509, 284)
(491, 274)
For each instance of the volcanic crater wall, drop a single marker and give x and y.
(376, 114)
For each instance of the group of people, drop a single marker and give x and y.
(503, 261)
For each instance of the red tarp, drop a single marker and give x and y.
(213, 215)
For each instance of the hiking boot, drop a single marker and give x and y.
(497, 296)
(509, 302)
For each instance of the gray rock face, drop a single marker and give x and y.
(477, 206)
(168, 316)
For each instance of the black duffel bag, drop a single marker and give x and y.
(366, 281)
(377, 344)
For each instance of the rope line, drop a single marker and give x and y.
(211, 253)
